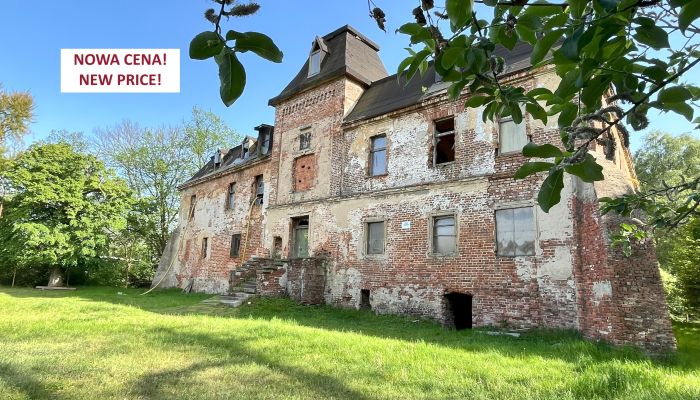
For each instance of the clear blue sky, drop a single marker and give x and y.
(33, 34)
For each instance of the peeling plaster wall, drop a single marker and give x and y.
(216, 222)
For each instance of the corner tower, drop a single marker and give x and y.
(309, 112)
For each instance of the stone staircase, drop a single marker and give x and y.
(237, 295)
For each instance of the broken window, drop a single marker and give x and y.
(193, 202)
(259, 189)
(515, 232)
(512, 136)
(300, 237)
(205, 245)
(444, 234)
(315, 63)
(235, 245)
(231, 199)
(444, 141)
(375, 237)
(377, 156)
(305, 140)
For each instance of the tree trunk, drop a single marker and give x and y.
(14, 275)
(56, 278)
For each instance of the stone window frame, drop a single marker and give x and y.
(371, 151)
(512, 205)
(365, 236)
(294, 180)
(229, 192)
(304, 131)
(237, 253)
(434, 135)
(431, 226)
(498, 129)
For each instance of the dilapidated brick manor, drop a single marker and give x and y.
(374, 192)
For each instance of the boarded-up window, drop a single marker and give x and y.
(300, 237)
(512, 136)
(444, 235)
(377, 153)
(515, 232)
(444, 141)
(231, 199)
(205, 247)
(235, 245)
(375, 237)
(304, 172)
(305, 140)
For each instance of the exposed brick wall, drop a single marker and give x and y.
(306, 280)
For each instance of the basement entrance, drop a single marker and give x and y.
(459, 310)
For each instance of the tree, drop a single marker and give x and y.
(206, 132)
(637, 49)
(153, 162)
(665, 160)
(16, 112)
(64, 209)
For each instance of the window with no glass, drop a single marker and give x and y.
(231, 199)
(259, 188)
(377, 159)
(515, 232)
(235, 245)
(444, 141)
(205, 246)
(444, 234)
(193, 202)
(512, 136)
(374, 232)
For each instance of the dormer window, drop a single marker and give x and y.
(318, 50)
(315, 63)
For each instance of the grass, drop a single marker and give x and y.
(96, 344)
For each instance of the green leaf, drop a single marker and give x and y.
(451, 56)
(683, 109)
(403, 65)
(588, 170)
(576, 7)
(530, 168)
(460, 12)
(456, 89)
(477, 101)
(258, 43)
(537, 112)
(550, 192)
(540, 93)
(570, 47)
(543, 151)
(567, 114)
(205, 45)
(675, 94)
(530, 21)
(232, 76)
(652, 36)
(416, 63)
(688, 14)
(542, 47)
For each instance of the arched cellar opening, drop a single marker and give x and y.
(459, 310)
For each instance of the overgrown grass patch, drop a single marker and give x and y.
(94, 344)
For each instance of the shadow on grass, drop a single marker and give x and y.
(166, 384)
(24, 383)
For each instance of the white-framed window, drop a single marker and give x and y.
(315, 63)
(377, 153)
(512, 137)
(374, 237)
(515, 232)
(444, 234)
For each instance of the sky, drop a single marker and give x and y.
(32, 36)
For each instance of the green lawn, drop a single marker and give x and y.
(96, 344)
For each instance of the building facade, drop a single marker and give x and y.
(374, 192)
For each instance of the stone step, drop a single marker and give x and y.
(249, 290)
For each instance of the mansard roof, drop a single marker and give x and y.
(347, 53)
(391, 94)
